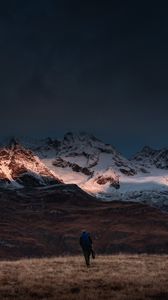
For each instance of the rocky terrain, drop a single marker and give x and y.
(19, 168)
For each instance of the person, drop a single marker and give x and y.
(86, 245)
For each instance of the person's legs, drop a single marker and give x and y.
(87, 257)
(93, 253)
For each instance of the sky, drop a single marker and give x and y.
(94, 66)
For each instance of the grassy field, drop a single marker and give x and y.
(109, 277)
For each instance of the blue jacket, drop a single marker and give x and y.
(86, 241)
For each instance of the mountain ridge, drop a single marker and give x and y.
(100, 170)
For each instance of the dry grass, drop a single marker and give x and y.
(109, 277)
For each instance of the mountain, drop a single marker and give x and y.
(85, 160)
(19, 168)
(149, 157)
(100, 170)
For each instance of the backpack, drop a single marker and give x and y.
(85, 237)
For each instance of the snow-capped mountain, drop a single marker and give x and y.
(100, 170)
(149, 157)
(19, 168)
(86, 161)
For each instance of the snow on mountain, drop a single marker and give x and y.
(149, 157)
(20, 168)
(100, 170)
(82, 157)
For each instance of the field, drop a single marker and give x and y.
(109, 277)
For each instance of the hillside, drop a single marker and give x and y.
(48, 221)
(120, 277)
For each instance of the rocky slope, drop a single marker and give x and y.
(19, 168)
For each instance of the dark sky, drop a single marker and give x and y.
(96, 66)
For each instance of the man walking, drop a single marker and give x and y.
(86, 245)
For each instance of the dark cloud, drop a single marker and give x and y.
(97, 66)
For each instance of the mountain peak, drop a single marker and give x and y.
(147, 149)
(13, 142)
(19, 168)
(150, 157)
(79, 137)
